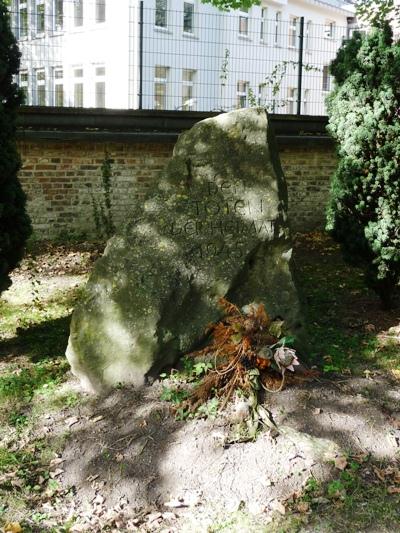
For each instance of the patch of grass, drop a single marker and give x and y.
(22, 383)
(40, 331)
(354, 500)
(343, 317)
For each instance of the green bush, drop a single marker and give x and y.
(14, 222)
(364, 117)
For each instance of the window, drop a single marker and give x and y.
(329, 29)
(308, 35)
(292, 100)
(293, 32)
(278, 29)
(161, 14)
(262, 95)
(188, 77)
(188, 15)
(242, 87)
(100, 11)
(78, 87)
(58, 15)
(263, 25)
(326, 80)
(306, 101)
(244, 21)
(100, 87)
(160, 87)
(39, 6)
(78, 12)
(23, 19)
(58, 77)
(40, 87)
(24, 85)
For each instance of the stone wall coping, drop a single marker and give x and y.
(77, 124)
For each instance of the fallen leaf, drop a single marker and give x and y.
(303, 507)
(379, 473)
(393, 490)
(341, 462)
(56, 461)
(56, 473)
(152, 517)
(12, 527)
(278, 506)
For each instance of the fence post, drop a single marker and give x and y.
(300, 66)
(141, 55)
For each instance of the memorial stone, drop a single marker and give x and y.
(215, 225)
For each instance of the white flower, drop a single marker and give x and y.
(286, 358)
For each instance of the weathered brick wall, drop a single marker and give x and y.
(59, 178)
(308, 168)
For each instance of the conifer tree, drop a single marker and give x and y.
(364, 117)
(14, 222)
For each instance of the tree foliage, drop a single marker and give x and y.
(364, 211)
(14, 222)
(377, 12)
(226, 5)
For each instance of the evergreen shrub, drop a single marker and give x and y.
(14, 222)
(364, 118)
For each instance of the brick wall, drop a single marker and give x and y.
(59, 178)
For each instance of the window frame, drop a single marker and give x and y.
(161, 82)
(309, 35)
(191, 31)
(100, 8)
(293, 31)
(241, 94)
(57, 82)
(326, 79)
(77, 83)
(188, 84)
(278, 29)
(244, 17)
(330, 29)
(164, 14)
(24, 85)
(263, 24)
(58, 27)
(39, 83)
(76, 18)
(40, 16)
(23, 7)
(292, 100)
(99, 78)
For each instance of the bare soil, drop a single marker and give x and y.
(127, 464)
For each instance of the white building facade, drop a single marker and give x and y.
(178, 55)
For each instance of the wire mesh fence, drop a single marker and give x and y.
(136, 55)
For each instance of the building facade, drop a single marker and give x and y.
(178, 55)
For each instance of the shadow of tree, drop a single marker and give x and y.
(45, 340)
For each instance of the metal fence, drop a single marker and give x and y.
(94, 53)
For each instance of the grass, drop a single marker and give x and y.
(354, 500)
(342, 315)
(34, 333)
